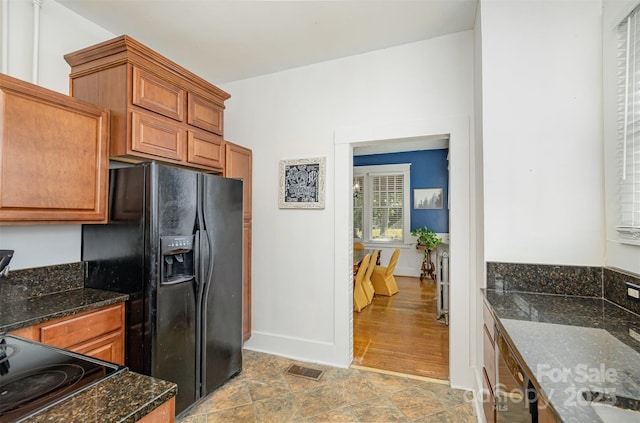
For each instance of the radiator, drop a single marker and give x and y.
(442, 287)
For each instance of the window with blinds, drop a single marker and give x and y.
(628, 156)
(379, 210)
(387, 203)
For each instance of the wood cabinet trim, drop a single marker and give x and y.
(124, 49)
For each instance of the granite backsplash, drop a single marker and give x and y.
(38, 281)
(615, 288)
(583, 281)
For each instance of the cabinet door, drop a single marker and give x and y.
(488, 400)
(165, 413)
(205, 149)
(83, 327)
(545, 413)
(98, 333)
(489, 353)
(238, 165)
(54, 160)
(204, 114)
(157, 95)
(109, 347)
(156, 137)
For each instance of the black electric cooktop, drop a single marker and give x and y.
(34, 376)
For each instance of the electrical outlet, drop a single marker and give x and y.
(633, 291)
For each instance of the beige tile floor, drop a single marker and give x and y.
(263, 393)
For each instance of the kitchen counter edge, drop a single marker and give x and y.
(31, 311)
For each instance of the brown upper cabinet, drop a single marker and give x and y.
(159, 110)
(54, 156)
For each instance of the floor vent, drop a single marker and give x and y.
(305, 372)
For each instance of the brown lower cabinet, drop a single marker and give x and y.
(489, 369)
(97, 333)
(163, 414)
(489, 366)
(545, 413)
(488, 400)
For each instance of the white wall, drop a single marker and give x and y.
(542, 131)
(622, 256)
(61, 32)
(301, 304)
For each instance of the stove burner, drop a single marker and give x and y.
(38, 385)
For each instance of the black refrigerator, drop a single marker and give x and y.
(174, 244)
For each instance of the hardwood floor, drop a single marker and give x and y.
(401, 334)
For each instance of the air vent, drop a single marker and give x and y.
(305, 372)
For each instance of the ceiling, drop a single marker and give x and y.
(224, 41)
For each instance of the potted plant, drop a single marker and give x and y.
(426, 238)
(427, 241)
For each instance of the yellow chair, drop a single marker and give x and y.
(358, 246)
(366, 283)
(382, 277)
(359, 297)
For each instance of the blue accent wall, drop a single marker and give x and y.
(428, 170)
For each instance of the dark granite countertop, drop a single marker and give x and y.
(125, 397)
(570, 344)
(36, 295)
(23, 312)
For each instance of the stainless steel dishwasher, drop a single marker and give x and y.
(516, 398)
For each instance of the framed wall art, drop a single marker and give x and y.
(302, 183)
(427, 198)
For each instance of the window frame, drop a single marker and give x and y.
(370, 171)
(628, 89)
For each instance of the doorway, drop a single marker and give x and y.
(462, 291)
(406, 332)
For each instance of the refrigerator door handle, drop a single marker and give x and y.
(177, 280)
(196, 257)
